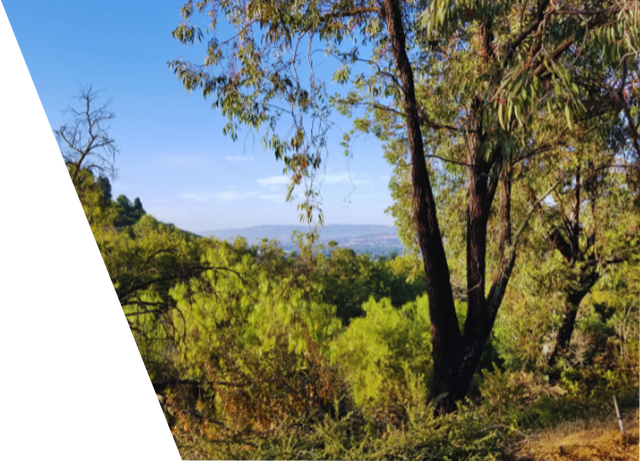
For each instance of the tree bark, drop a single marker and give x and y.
(455, 356)
(445, 332)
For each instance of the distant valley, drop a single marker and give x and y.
(376, 240)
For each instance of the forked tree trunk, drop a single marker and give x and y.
(573, 253)
(456, 356)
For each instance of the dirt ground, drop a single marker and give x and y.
(584, 440)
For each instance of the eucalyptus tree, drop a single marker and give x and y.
(465, 82)
(589, 218)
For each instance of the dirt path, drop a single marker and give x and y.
(584, 440)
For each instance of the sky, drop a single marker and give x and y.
(172, 152)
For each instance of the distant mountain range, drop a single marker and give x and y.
(365, 238)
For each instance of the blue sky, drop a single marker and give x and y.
(173, 154)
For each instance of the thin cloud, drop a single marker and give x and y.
(238, 158)
(222, 196)
(274, 181)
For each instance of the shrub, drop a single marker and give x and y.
(385, 355)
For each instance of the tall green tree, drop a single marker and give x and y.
(479, 83)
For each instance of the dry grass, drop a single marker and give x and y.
(584, 440)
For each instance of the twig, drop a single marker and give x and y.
(615, 402)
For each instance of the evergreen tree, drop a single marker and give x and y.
(104, 185)
(128, 213)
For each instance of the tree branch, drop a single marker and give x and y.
(542, 6)
(499, 285)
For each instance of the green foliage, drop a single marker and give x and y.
(386, 356)
(348, 280)
(128, 213)
(250, 336)
(528, 401)
(235, 297)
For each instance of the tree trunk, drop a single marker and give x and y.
(455, 357)
(571, 306)
(445, 332)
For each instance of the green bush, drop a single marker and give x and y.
(385, 355)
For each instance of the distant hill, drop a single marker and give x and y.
(365, 238)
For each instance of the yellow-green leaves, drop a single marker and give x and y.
(568, 116)
(385, 352)
(242, 303)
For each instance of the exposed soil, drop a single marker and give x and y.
(584, 440)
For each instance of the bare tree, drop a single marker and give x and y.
(84, 142)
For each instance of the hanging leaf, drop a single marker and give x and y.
(567, 114)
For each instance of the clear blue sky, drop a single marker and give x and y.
(173, 154)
